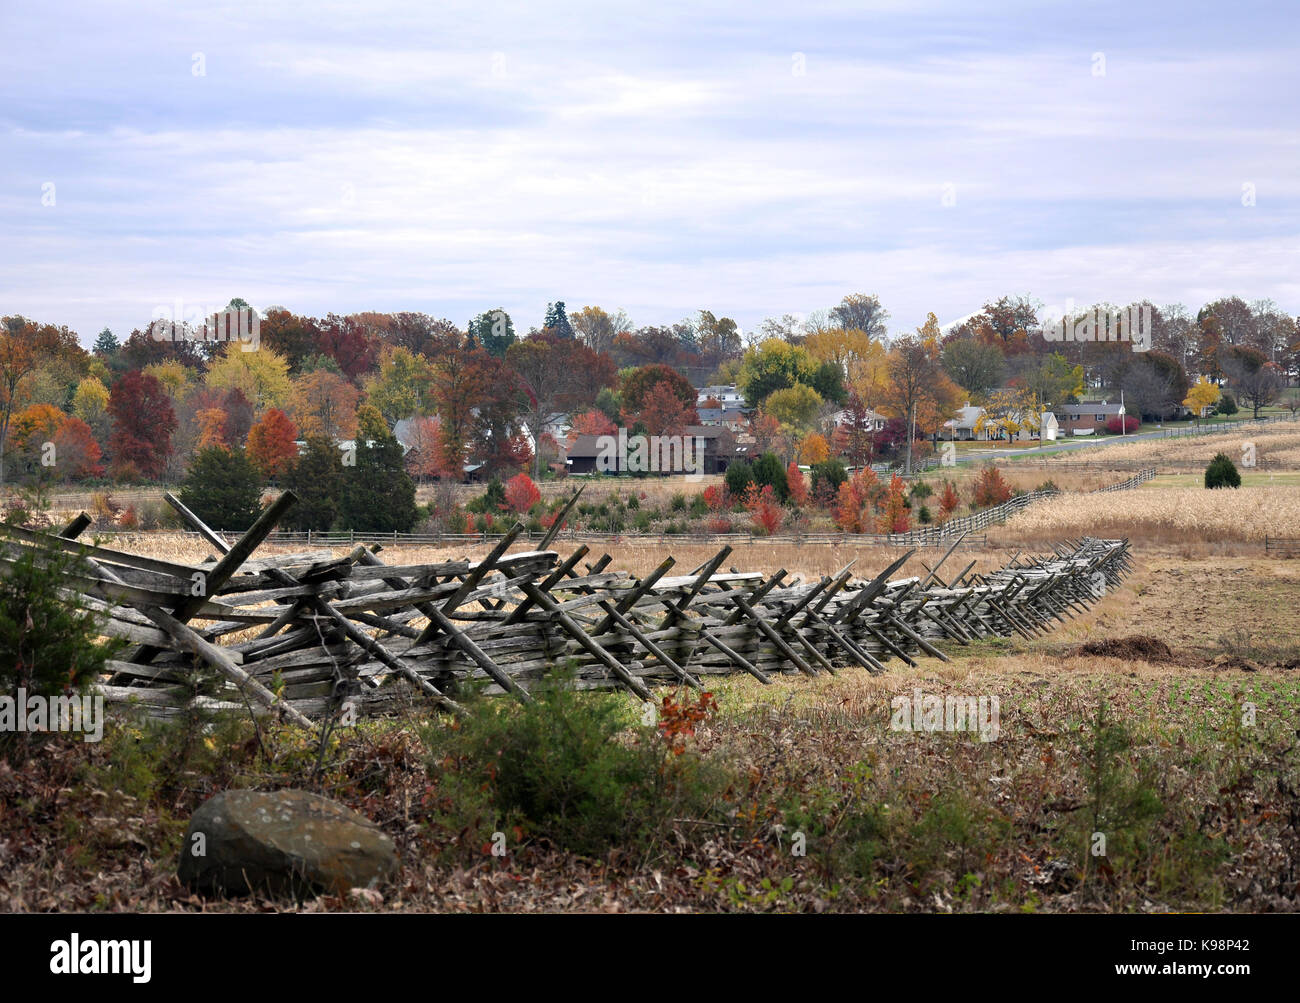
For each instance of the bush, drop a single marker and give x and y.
(1222, 473)
(48, 642)
(521, 494)
(991, 488)
(574, 768)
(494, 499)
(1114, 427)
(1227, 405)
(830, 472)
(677, 503)
(699, 507)
(739, 476)
(921, 490)
(769, 471)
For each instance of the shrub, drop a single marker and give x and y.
(830, 472)
(48, 642)
(991, 488)
(770, 472)
(739, 476)
(677, 503)
(924, 515)
(1130, 424)
(797, 485)
(521, 494)
(494, 499)
(1227, 405)
(699, 506)
(921, 490)
(949, 500)
(1222, 473)
(762, 506)
(572, 767)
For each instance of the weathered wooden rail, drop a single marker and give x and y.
(311, 636)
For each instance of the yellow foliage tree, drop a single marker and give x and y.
(1205, 393)
(262, 376)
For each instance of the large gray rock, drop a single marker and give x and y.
(282, 842)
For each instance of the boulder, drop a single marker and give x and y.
(282, 842)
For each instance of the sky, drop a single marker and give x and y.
(752, 159)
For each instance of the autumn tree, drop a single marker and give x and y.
(861, 312)
(557, 376)
(921, 394)
(521, 494)
(324, 404)
(401, 388)
(16, 360)
(272, 444)
(143, 423)
(1202, 397)
(1254, 379)
(663, 413)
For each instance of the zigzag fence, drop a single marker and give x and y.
(312, 636)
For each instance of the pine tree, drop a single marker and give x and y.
(378, 494)
(223, 488)
(317, 480)
(106, 345)
(557, 319)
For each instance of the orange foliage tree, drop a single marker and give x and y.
(991, 488)
(893, 512)
(855, 501)
(271, 443)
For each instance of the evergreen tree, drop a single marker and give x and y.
(106, 345)
(557, 319)
(493, 331)
(378, 494)
(223, 488)
(317, 480)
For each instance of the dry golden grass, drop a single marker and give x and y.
(1275, 445)
(1172, 515)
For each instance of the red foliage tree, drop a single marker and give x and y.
(77, 451)
(949, 500)
(991, 488)
(591, 423)
(143, 422)
(797, 485)
(662, 412)
(763, 508)
(521, 493)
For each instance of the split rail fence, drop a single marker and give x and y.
(311, 636)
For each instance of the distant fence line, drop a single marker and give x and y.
(1282, 546)
(929, 536)
(1141, 477)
